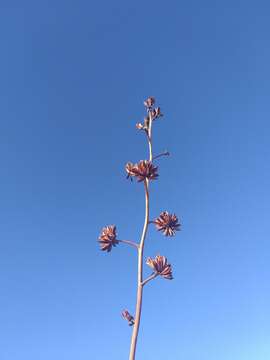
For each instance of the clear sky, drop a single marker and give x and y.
(74, 75)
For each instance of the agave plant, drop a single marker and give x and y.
(144, 172)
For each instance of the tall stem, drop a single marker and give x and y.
(140, 277)
(150, 137)
(140, 255)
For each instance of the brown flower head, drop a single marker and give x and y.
(140, 126)
(126, 315)
(145, 125)
(149, 102)
(160, 266)
(129, 170)
(156, 113)
(107, 238)
(142, 171)
(167, 223)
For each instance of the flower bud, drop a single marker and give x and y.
(126, 315)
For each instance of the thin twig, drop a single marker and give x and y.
(129, 242)
(150, 137)
(166, 153)
(151, 277)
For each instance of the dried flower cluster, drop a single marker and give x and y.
(167, 223)
(149, 102)
(160, 266)
(107, 238)
(126, 315)
(144, 171)
(152, 113)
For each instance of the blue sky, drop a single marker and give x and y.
(74, 75)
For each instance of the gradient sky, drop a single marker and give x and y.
(74, 75)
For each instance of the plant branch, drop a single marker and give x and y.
(129, 242)
(151, 277)
(166, 153)
(149, 136)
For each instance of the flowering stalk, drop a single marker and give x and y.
(140, 276)
(144, 171)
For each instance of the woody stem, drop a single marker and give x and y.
(166, 153)
(151, 277)
(140, 255)
(149, 136)
(129, 242)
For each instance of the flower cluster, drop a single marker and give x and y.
(126, 315)
(156, 113)
(107, 239)
(167, 223)
(143, 126)
(160, 266)
(142, 171)
(149, 102)
(153, 112)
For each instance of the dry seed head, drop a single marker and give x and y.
(160, 266)
(142, 171)
(127, 316)
(107, 238)
(149, 102)
(167, 223)
(156, 113)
